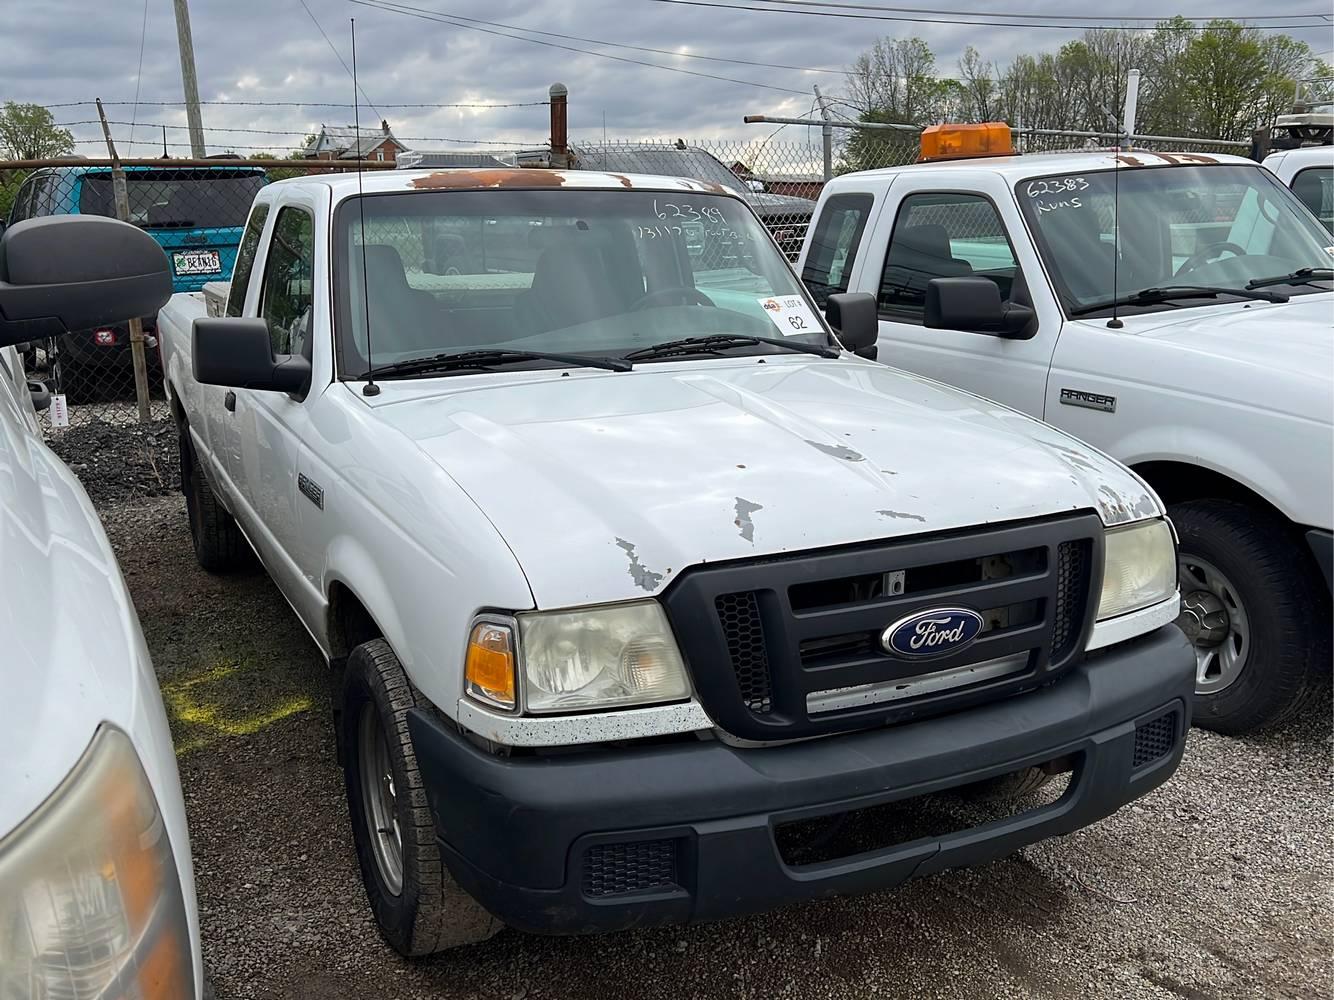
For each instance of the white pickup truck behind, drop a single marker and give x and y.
(1173, 310)
(635, 584)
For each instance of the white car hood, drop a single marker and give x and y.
(607, 485)
(1274, 356)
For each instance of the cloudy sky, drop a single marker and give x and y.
(56, 51)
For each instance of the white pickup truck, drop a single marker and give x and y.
(1174, 310)
(97, 894)
(636, 587)
(1309, 171)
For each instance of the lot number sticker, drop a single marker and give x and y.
(790, 314)
(59, 411)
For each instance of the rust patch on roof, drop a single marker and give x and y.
(624, 181)
(517, 177)
(1129, 160)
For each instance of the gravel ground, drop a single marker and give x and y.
(1216, 885)
(121, 460)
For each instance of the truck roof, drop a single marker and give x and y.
(1043, 164)
(473, 179)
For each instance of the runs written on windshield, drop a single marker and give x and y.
(575, 272)
(1218, 226)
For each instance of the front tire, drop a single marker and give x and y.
(417, 905)
(1251, 607)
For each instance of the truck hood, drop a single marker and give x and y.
(606, 486)
(1272, 356)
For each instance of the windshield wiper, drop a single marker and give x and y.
(722, 341)
(1170, 293)
(483, 359)
(1301, 276)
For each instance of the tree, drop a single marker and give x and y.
(28, 132)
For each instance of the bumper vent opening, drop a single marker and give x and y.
(1155, 739)
(740, 618)
(622, 869)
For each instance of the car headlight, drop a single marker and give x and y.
(572, 661)
(1140, 568)
(90, 898)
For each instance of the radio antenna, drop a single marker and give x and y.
(1115, 322)
(370, 388)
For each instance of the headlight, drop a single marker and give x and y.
(90, 901)
(1140, 568)
(599, 658)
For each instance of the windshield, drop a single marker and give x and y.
(584, 272)
(666, 161)
(175, 199)
(1219, 225)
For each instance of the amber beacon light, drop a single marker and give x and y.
(950, 142)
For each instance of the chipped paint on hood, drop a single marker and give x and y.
(606, 485)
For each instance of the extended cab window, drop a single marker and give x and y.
(245, 260)
(833, 252)
(286, 296)
(1314, 188)
(942, 235)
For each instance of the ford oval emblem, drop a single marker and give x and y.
(934, 632)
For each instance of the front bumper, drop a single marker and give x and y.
(519, 834)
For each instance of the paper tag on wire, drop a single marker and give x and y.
(58, 411)
(790, 314)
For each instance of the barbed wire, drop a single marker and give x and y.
(283, 104)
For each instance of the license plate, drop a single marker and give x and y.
(196, 262)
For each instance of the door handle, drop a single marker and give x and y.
(229, 401)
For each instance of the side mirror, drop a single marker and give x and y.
(74, 272)
(236, 352)
(853, 316)
(973, 305)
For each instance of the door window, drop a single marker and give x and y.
(833, 252)
(942, 235)
(287, 293)
(245, 260)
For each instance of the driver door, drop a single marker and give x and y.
(926, 232)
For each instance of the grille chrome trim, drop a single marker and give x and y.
(913, 687)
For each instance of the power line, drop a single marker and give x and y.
(964, 17)
(393, 4)
(1036, 17)
(334, 50)
(139, 73)
(446, 19)
(370, 130)
(283, 104)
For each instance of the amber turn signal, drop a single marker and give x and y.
(489, 668)
(947, 142)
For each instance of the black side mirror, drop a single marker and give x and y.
(853, 317)
(973, 305)
(236, 352)
(73, 272)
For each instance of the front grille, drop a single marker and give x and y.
(1154, 739)
(1072, 559)
(740, 618)
(791, 646)
(620, 869)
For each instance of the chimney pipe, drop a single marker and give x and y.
(560, 139)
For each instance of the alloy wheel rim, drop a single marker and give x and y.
(1215, 620)
(379, 799)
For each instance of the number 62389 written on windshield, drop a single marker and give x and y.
(1055, 185)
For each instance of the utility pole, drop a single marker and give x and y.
(189, 79)
(826, 136)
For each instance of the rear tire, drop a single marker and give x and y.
(417, 904)
(218, 543)
(1255, 611)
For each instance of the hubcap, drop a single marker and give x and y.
(379, 799)
(1213, 618)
